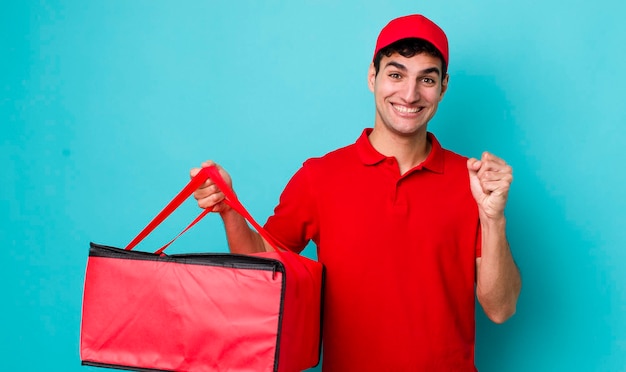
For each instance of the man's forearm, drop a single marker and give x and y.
(241, 238)
(498, 278)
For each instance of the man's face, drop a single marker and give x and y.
(407, 92)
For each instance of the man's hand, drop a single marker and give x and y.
(208, 194)
(490, 180)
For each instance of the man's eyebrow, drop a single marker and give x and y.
(402, 67)
(397, 65)
(431, 70)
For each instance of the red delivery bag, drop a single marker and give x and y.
(201, 312)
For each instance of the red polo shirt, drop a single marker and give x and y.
(400, 254)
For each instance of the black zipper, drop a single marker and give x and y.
(230, 260)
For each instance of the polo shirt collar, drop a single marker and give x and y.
(369, 155)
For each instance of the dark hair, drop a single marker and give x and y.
(408, 48)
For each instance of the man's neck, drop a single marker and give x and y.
(409, 151)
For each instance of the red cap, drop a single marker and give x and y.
(413, 26)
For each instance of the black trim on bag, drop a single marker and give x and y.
(281, 308)
(125, 368)
(230, 260)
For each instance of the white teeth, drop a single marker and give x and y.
(405, 109)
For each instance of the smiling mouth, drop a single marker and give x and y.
(406, 110)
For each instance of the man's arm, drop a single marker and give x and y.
(241, 238)
(498, 279)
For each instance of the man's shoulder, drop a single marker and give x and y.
(336, 158)
(454, 163)
(454, 156)
(447, 158)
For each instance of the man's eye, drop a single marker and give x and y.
(394, 76)
(428, 80)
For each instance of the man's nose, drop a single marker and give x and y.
(411, 92)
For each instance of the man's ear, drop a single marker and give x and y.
(371, 76)
(444, 86)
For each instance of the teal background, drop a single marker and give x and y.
(106, 105)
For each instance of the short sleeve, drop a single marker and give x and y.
(294, 222)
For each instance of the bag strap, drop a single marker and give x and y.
(231, 199)
(195, 221)
(234, 203)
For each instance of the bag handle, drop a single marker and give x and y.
(231, 199)
(200, 216)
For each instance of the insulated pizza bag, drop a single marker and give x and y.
(201, 312)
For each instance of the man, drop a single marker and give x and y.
(409, 232)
